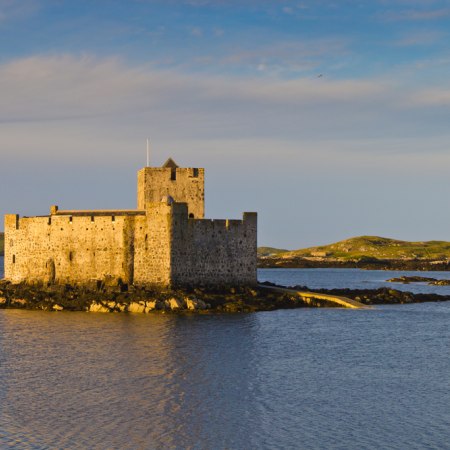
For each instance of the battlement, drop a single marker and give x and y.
(184, 185)
(99, 212)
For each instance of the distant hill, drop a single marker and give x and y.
(2, 244)
(269, 251)
(367, 249)
(378, 247)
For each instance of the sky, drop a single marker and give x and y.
(331, 119)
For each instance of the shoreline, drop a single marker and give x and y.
(266, 297)
(369, 264)
(383, 296)
(144, 300)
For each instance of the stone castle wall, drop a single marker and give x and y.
(184, 185)
(213, 252)
(69, 248)
(152, 246)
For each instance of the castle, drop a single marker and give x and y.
(165, 242)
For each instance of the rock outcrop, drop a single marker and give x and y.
(143, 301)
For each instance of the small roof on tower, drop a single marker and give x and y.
(170, 163)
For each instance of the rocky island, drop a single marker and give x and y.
(364, 252)
(165, 256)
(101, 298)
(416, 279)
(131, 299)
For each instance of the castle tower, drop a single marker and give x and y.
(184, 185)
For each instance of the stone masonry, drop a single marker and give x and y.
(165, 242)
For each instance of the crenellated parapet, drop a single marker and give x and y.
(184, 185)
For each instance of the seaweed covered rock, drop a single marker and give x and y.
(98, 297)
(412, 279)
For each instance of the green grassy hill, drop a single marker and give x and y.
(2, 243)
(372, 247)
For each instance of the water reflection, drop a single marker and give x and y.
(120, 381)
(305, 378)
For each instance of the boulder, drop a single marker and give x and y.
(98, 307)
(151, 305)
(57, 307)
(202, 305)
(136, 307)
(440, 283)
(412, 279)
(173, 304)
(191, 304)
(121, 307)
(18, 302)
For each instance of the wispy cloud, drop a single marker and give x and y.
(196, 31)
(416, 14)
(288, 10)
(430, 97)
(88, 93)
(17, 9)
(288, 56)
(428, 37)
(69, 86)
(84, 92)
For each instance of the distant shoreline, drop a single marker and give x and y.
(366, 264)
(363, 252)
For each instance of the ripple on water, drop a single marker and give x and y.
(307, 378)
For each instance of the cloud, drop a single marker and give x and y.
(70, 107)
(421, 38)
(218, 32)
(65, 86)
(288, 10)
(288, 56)
(416, 14)
(16, 9)
(196, 31)
(430, 97)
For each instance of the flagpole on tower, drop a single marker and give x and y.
(148, 153)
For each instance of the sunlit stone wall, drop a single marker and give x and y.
(184, 185)
(166, 242)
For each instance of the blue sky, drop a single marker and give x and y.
(330, 118)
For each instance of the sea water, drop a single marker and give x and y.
(289, 379)
(354, 279)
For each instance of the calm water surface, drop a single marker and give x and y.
(352, 279)
(305, 378)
